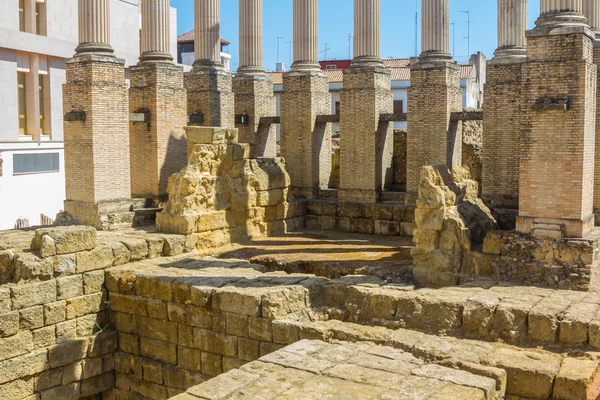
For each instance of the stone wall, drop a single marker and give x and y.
(56, 341)
(386, 219)
(224, 195)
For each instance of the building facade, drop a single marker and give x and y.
(36, 38)
(185, 51)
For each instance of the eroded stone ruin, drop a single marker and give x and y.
(197, 263)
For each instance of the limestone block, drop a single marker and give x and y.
(93, 282)
(128, 304)
(16, 345)
(18, 389)
(88, 324)
(245, 301)
(157, 309)
(99, 258)
(174, 245)
(138, 248)
(154, 287)
(155, 246)
(5, 302)
(282, 301)
(530, 374)
(28, 364)
(510, 319)
(105, 342)
(129, 343)
(224, 385)
(30, 266)
(237, 325)
(165, 331)
(92, 367)
(214, 221)
(248, 349)
(454, 234)
(480, 264)
(430, 218)
(72, 373)
(212, 364)
(65, 265)
(64, 240)
(188, 358)
(574, 325)
(33, 294)
(159, 351)
(152, 371)
(260, 329)
(31, 318)
(48, 379)
(478, 315)
(6, 266)
(55, 312)
(426, 239)
(492, 244)
(9, 324)
(215, 342)
(575, 379)
(70, 391)
(69, 286)
(462, 378)
(67, 352)
(66, 330)
(209, 135)
(84, 305)
(97, 384)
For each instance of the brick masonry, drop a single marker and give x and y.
(557, 148)
(254, 98)
(502, 134)
(157, 147)
(597, 153)
(433, 95)
(210, 94)
(366, 145)
(96, 150)
(306, 145)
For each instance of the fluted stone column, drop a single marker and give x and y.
(366, 146)
(433, 95)
(306, 143)
(253, 89)
(94, 27)
(435, 30)
(156, 31)
(502, 117)
(157, 141)
(210, 95)
(556, 181)
(96, 108)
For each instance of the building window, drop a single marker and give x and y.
(22, 15)
(22, 90)
(337, 108)
(331, 67)
(35, 163)
(398, 106)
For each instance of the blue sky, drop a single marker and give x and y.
(335, 23)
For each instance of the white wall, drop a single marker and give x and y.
(29, 195)
(58, 78)
(125, 30)
(9, 111)
(61, 20)
(9, 14)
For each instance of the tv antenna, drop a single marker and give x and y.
(290, 53)
(278, 39)
(327, 47)
(468, 32)
(349, 46)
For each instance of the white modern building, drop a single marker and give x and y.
(36, 38)
(472, 82)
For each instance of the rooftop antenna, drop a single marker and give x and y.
(468, 33)
(416, 26)
(290, 54)
(349, 46)
(278, 39)
(327, 47)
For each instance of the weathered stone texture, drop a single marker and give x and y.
(209, 93)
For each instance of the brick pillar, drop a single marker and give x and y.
(157, 146)
(433, 95)
(556, 183)
(208, 84)
(366, 144)
(591, 10)
(252, 88)
(306, 144)
(96, 148)
(502, 116)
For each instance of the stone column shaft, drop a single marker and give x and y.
(367, 14)
(435, 29)
(306, 35)
(512, 24)
(591, 10)
(547, 6)
(94, 26)
(156, 31)
(250, 35)
(207, 32)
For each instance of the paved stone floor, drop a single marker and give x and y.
(329, 254)
(312, 370)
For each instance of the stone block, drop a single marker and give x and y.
(544, 319)
(478, 315)
(65, 265)
(121, 254)
(28, 364)
(510, 319)
(212, 364)
(99, 258)
(388, 228)
(360, 225)
(138, 248)
(5, 301)
(88, 324)
(55, 312)
(575, 380)
(97, 384)
(9, 324)
(155, 246)
(404, 213)
(260, 329)
(188, 358)
(236, 325)
(48, 379)
(105, 342)
(163, 330)
(181, 379)
(492, 244)
(574, 326)
(215, 342)
(18, 389)
(248, 349)
(33, 294)
(31, 318)
(71, 391)
(224, 385)
(92, 367)
(69, 286)
(16, 345)
(66, 330)
(28, 266)
(64, 240)
(84, 305)
(129, 343)
(237, 300)
(72, 373)
(177, 312)
(154, 287)
(67, 352)
(174, 245)
(152, 371)
(128, 304)
(93, 282)
(159, 351)
(44, 337)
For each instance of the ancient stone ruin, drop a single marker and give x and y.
(193, 261)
